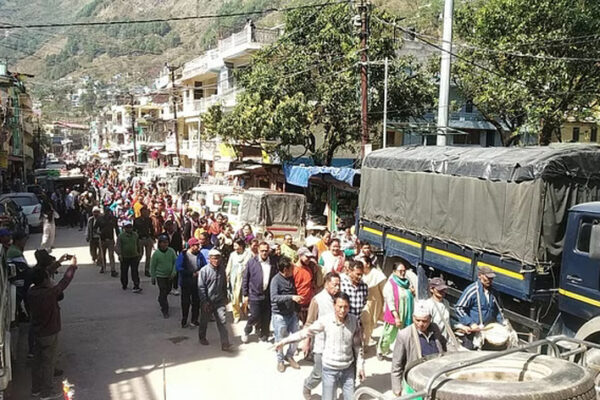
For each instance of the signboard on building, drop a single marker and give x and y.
(3, 159)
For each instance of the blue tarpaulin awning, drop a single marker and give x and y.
(300, 175)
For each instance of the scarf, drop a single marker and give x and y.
(405, 308)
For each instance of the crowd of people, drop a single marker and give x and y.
(328, 293)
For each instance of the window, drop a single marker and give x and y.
(198, 91)
(469, 106)
(575, 134)
(225, 206)
(25, 201)
(583, 238)
(594, 134)
(235, 208)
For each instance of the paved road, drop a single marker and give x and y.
(114, 345)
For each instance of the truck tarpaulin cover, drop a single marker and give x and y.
(273, 208)
(509, 201)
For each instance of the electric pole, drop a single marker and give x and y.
(364, 33)
(131, 103)
(443, 107)
(172, 69)
(385, 101)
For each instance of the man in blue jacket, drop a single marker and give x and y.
(255, 289)
(478, 306)
(188, 264)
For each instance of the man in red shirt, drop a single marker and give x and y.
(304, 280)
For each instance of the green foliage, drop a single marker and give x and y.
(528, 90)
(90, 9)
(308, 83)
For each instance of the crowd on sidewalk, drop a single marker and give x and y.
(328, 294)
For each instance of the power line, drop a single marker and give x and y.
(169, 19)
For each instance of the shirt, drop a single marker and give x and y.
(162, 263)
(44, 308)
(303, 280)
(428, 345)
(127, 244)
(143, 227)
(266, 269)
(358, 294)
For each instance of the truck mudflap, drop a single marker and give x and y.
(512, 278)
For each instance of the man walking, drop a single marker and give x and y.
(109, 229)
(255, 289)
(212, 289)
(93, 237)
(343, 351)
(320, 306)
(355, 288)
(188, 264)
(144, 228)
(45, 322)
(129, 250)
(162, 271)
(284, 301)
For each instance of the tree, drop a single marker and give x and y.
(307, 85)
(539, 58)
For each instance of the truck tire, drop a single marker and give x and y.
(590, 331)
(516, 376)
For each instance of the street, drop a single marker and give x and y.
(114, 344)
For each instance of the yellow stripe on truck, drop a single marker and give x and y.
(373, 231)
(579, 297)
(503, 271)
(448, 254)
(403, 240)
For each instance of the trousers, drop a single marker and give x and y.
(164, 288)
(189, 297)
(220, 314)
(42, 368)
(334, 379)
(283, 326)
(316, 375)
(260, 315)
(127, 264)
(147, 244)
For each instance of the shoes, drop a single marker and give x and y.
(306, 393)
(293, 363)
(226, 347)
(165, 314)
(175, 292)
(184, 324)
(147, 274)
(204, 342)
(264, 339)
(137, 290)
(194, 324)
(244, 338)
(280, 367)
(114, 274)
(124, 287)
(101, 270)
(58, 372)
(380, 357)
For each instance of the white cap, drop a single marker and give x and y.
(421, 309)
(96, 208)
(214, 252)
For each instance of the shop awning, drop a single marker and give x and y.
(299, 175)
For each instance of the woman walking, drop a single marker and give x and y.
(48, 215)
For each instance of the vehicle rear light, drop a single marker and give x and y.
(37, 209)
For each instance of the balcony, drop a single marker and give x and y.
(242, 44)
(208, 64)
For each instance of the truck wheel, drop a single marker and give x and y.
(590, 331)
(516, 376)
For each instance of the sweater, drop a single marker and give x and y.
(212, 286)
(128, 245)
(162, 263)
(187, 264)
(282, 291)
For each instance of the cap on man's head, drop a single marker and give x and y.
(193, 241)
(96, 208)
(421, 309)
(487, 271)
(43, 258)
(437, 283)
(214, 253)
(163, 238)
(5, 232)
(127, 222)
(304, 251)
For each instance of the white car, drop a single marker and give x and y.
(31, 206)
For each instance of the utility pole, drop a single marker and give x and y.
(131, 103)
(172, 69)
(385, 101)
(364, 33)
(443, 104)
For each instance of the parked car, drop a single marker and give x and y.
(30, 206)
(11, 215)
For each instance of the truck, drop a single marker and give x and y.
(531, 214)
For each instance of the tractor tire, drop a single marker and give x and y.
(517, 376)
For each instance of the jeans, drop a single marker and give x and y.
(164, 288)
(42, 368)
(147, 244)
(260, 315)
(316, 375)
(96, 251)
(220, 314)
(189, 297)
(334, 378)
(108, 245)
(283, 326)
(126, 264)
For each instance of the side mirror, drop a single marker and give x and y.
(595, 242)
